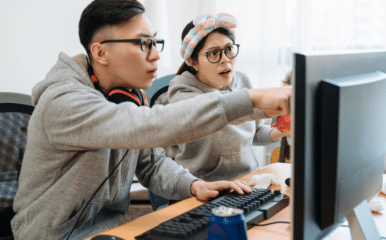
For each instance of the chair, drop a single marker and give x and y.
(157, 95)
(158, 88)
(281, 154)
(15, 112)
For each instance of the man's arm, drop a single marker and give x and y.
(83, 119)
(170, 180)
(267, 103)
(273, 101)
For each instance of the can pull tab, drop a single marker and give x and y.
(223, 211)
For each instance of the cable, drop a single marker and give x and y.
(261, 225)
(96, 191)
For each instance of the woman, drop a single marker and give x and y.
(209, 52)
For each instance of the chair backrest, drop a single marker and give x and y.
(159, 87)
(157, 95)
(15, 112)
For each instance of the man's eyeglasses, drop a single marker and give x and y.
(146, 43)
(214, 56)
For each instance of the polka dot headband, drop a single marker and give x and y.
(203, 25)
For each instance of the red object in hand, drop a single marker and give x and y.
(283, 124)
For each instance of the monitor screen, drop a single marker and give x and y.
(338, 143)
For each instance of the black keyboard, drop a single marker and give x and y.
(259, 205)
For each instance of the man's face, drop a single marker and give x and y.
(128, 66)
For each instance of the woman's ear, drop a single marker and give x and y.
(193, 64)
(99, 53)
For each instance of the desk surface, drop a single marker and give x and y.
(276, 231)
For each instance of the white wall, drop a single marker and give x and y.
(32, 34)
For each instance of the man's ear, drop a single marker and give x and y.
(99, 53)
(193, 63)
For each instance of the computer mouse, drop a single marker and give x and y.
(106, 237)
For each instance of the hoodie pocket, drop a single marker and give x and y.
(62, 231)
(232, 166)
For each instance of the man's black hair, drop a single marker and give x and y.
(101, 13)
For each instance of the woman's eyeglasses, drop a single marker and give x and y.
(214, 56)
(146, 43)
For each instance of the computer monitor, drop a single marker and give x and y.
(339, 139)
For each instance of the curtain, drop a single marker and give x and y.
(269, 32)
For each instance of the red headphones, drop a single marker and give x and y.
(120, 94)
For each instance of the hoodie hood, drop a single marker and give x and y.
(60, 74)
(186, 78)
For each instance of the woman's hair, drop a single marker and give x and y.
(288, 78)
(101, 13)
(184, 67)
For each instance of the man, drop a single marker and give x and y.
(76, 137)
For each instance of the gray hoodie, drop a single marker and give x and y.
(76, 137)
(226, 154)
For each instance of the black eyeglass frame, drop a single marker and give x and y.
(140, 40)
(221, 50)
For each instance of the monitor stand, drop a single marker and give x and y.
(361, 222)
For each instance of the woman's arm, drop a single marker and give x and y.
(275, 135)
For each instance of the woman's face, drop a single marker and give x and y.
(218, 74)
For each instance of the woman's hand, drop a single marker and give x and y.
(275, 135)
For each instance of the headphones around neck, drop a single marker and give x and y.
(119, 94)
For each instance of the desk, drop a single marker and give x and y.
(276, 231)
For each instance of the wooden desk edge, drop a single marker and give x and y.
(278, 231)
(140, 225)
